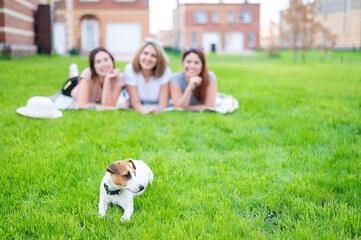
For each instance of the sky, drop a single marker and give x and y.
(161, 11)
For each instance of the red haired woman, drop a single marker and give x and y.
(195, 87)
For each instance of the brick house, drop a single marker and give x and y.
(341, 17)
(220, 27)
(118, 25)
(17, 26)
(166, 37)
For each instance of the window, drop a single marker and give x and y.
(251, 39)
(215, 17)
(246, 17)
(230, 17)
(200, 17)
(194, 39)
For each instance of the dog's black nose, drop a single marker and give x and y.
(141, 187)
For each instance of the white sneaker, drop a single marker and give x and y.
(73, 70)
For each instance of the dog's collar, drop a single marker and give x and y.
(112, 192)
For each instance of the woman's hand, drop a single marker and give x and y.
(194, 82)
(113, 74)
(109, 93)
(145, 110)
(156, 110)
(123, 105)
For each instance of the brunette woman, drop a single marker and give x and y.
(99, 85)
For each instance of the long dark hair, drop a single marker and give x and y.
(92, 59)
(200, 91)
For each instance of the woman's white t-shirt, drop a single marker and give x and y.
(148, 91)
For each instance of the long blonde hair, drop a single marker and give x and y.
(162, 60)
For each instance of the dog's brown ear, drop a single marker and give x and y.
(114, 168)
(131, 161)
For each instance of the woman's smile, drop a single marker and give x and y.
(102, 64)
(148, 58)
(192, 65)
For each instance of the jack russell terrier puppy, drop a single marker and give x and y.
(123, 181)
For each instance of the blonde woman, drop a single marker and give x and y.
(146, 78)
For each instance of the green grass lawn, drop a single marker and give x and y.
(285, 165)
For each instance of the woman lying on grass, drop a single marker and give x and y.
(98, 85)
(195, 87)
(147, 78)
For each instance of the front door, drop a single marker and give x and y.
(89, 34)
(211, 42)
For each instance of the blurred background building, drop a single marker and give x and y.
(269, 35)
(72, 26)
(77, 26)
(341, 17)
(220, 27)
(118, 25)
(18, 33)
(166, 37)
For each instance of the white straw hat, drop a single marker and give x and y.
(39, 107)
